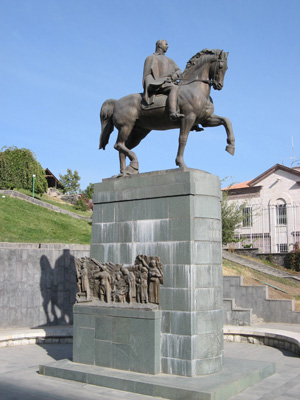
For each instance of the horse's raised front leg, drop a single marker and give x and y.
(186, 124)
(133, 167)
(216, 120)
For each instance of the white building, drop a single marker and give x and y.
(271, 208)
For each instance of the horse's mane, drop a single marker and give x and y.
(206, 52)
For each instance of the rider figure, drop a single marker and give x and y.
(160, 76)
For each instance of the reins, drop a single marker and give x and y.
(209, 82)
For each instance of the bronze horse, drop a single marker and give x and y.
(207, 68)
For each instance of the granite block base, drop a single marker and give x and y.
(174, 215)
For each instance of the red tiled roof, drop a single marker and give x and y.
(238, 185)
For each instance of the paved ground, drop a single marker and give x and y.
(19, 378)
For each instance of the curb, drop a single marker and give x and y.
(280, 339)
(285, 340)
(46, 335)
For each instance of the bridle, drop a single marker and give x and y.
(218, 65)
(211, 82)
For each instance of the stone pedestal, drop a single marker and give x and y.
(175, 215)
(122, 338)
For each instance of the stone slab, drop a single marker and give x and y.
(156, 184)
(236, 376)
(118, 337)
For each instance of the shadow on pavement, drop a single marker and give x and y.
(58, 351)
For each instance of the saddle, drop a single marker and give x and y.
(157, 101)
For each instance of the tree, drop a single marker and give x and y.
(70, 182)
(17, 167)
(232, 216)
(88, 192)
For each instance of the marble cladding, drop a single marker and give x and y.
(175, 215)
(120, 338)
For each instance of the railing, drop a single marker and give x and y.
(266, 229)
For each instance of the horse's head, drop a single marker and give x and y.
(217, 70)
(207, 66)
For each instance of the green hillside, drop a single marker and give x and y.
(21, 221)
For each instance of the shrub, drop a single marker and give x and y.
(81, 204)
(269, 258)
(294, 258)
(17, 167)
(248, 246)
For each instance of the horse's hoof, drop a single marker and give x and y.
(181, 165)
(129, 170)
(134, 165)
(230, 149)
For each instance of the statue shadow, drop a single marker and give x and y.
(58, 289)
(58, 351)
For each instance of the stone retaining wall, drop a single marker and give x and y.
(276, 258)
(256, 298)
(38, 283)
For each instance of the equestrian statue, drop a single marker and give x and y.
(171, 99)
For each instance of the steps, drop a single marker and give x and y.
(239, 300)
(233, 315)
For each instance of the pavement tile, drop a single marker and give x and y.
(19, 378)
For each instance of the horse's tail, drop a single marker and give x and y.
(107, 125)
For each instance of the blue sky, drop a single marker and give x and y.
(61, 59)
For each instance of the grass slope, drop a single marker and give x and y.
(21, 221)
(57, 202)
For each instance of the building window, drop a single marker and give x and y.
(281, 214)
(247, 217)
(282, 248)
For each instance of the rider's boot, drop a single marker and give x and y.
(197, 128)
(174, 115)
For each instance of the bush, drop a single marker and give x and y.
(294, 258)
(269, 258)
(248, 246)
(83, 203)
(16, 169)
